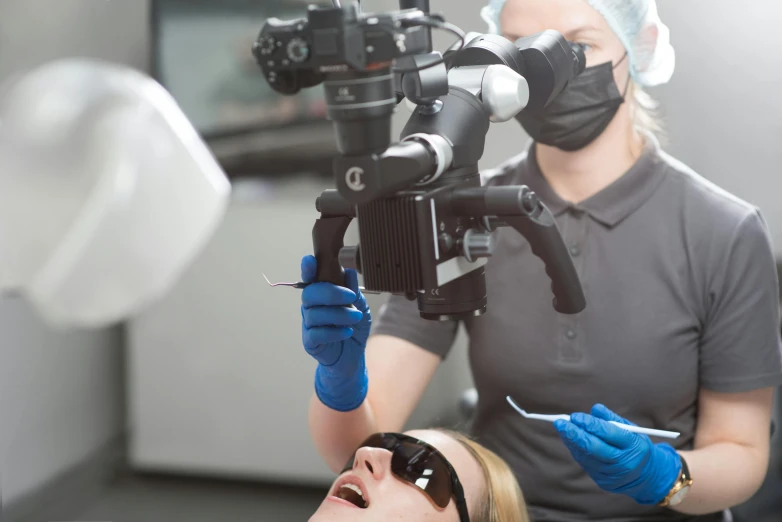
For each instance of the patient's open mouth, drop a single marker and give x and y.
(351, 491)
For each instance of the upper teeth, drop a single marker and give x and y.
(355, 488)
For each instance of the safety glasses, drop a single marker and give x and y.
(422, 466)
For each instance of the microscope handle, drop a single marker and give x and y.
(328, 235)
(521, 209)
(543, 235)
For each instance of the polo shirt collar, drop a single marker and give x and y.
(614, 203)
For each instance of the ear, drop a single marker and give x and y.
(646, 42)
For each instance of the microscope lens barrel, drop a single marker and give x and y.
(354, 99)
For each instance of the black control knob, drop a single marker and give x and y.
(446, 242)
(530, 202)
(475, 245)
(298, 50)
(350, 257)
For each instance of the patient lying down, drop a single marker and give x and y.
(423, 476)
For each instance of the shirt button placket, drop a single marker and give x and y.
(574, 233)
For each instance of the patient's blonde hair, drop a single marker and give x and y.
(503, 501)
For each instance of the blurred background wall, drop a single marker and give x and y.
(63, 396)
(60, 394)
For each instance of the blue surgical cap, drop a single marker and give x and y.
(652, 62)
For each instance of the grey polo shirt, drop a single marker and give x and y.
(682, 294)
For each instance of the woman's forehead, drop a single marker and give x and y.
(435, 438)
(572, 18)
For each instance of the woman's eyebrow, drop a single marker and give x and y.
(570, 35)
(581, 31)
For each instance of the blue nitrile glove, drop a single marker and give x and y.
(335, 323)
(620, 461)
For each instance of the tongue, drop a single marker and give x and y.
(352, 497)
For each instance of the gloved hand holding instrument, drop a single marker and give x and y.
(335, 327)
(618, 460)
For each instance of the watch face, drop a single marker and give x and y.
(679, 496)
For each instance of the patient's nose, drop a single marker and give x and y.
(374, 460)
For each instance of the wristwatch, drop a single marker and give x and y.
(680, 489)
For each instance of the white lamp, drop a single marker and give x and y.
(107, 192)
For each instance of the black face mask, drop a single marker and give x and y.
(580, 113)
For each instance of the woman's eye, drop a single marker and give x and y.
(587, 47)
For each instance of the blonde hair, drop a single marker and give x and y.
(645, 112)
(503, 500)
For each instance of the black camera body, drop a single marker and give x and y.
(295, 54)
(351, 54)
(425, 222)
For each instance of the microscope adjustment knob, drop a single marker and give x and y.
(350, 257)
(446, 242)
(476, 245)
(504, 92)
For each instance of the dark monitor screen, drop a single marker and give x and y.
(203, 56)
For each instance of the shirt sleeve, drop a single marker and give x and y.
(400, 318)
(740, 347)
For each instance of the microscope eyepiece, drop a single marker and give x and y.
(580, 57)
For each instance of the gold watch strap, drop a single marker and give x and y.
(683, 481)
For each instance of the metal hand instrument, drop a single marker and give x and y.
(635, 429)
(301, 285)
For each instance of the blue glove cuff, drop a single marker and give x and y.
(660, 474)
(341, 392)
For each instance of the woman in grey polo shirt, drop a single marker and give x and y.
(681, 331)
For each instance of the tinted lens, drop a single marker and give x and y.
(423, 469)
(416, 464)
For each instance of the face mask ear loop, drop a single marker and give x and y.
(624, 56)
(627, 84)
